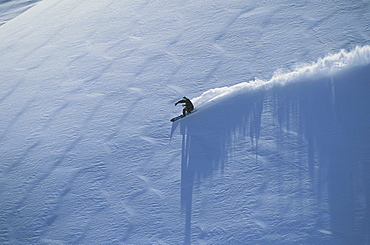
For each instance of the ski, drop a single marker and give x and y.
(177, 118)
(181, 116)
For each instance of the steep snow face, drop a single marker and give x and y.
(87, 92)
(311, 127)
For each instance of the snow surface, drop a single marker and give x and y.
(278, 151)
(9, 9)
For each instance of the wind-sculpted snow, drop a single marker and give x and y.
(87, 91)
(9, 9)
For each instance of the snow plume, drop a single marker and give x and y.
(326, 66)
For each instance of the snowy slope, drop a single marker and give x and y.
(10, 9)
(88, 155)
(305, 157)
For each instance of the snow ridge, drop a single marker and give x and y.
(327, 66)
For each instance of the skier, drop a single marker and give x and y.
(188, 107)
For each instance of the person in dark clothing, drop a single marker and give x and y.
(188, 107)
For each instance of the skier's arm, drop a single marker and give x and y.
(180, 101)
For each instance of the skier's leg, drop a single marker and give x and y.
(184, 111)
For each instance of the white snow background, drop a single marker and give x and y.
(278, 151)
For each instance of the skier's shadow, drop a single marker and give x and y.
(205, 138)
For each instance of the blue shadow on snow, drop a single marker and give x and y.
(206, 135)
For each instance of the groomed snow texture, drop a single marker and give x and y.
(277, 152)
